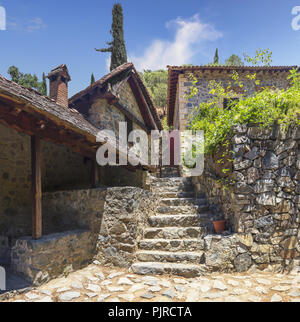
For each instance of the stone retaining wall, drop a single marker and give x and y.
(263, 200)
(51, 256)
(124, 219)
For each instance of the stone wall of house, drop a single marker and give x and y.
(185, 108)
(51, 256)
(61, 169)
(121, 177)
(105, 116)
(128, 100)
(15, 182)
(64, 169)
(72, 210)
(262, 200)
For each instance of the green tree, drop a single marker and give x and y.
(157, 84)
(216, 59)
(234, 60)
(27, 80)
(92, 79)
(116, 47)
(44, 85)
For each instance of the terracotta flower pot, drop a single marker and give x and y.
(220, 226)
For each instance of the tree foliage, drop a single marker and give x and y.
(117, 46)
(92, 79)
(44, 85)
(28, 80)
(234, 60)
(216, 59)
(157, 84)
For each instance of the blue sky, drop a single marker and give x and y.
(43, 34)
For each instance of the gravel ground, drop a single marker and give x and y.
(102, 284)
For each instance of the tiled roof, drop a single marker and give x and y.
(101, 81)
(174, 72)
(45, 105)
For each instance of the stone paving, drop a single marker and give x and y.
(102, 284)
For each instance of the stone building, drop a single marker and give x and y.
(48, 144)
(180, 109)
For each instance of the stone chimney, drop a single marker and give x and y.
(59, 78)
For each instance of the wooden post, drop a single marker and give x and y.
(36, 187)
(95, 174)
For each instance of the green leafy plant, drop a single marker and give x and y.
(262, 57)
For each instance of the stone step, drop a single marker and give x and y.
(154, 268)
(182, 201)
(173, 245)
(161, 190)
(198, 220)
(175, 232)
(189, 210)
(176, 194)
(169, 257)
(171, 181)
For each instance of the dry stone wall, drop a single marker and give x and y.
(52, 256)
(261, 205)
(125, 216)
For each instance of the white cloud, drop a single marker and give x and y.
(36, 24)
(191, 34)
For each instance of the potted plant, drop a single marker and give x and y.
(220, 226)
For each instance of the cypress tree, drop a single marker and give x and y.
(216, 59)
(92, 79)
(116, 47)
(44, 85)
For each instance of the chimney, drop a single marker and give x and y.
(59, 78)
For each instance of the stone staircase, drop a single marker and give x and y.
(174, 240)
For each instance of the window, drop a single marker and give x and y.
(227, 103)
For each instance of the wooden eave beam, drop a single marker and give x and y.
(144, 109)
